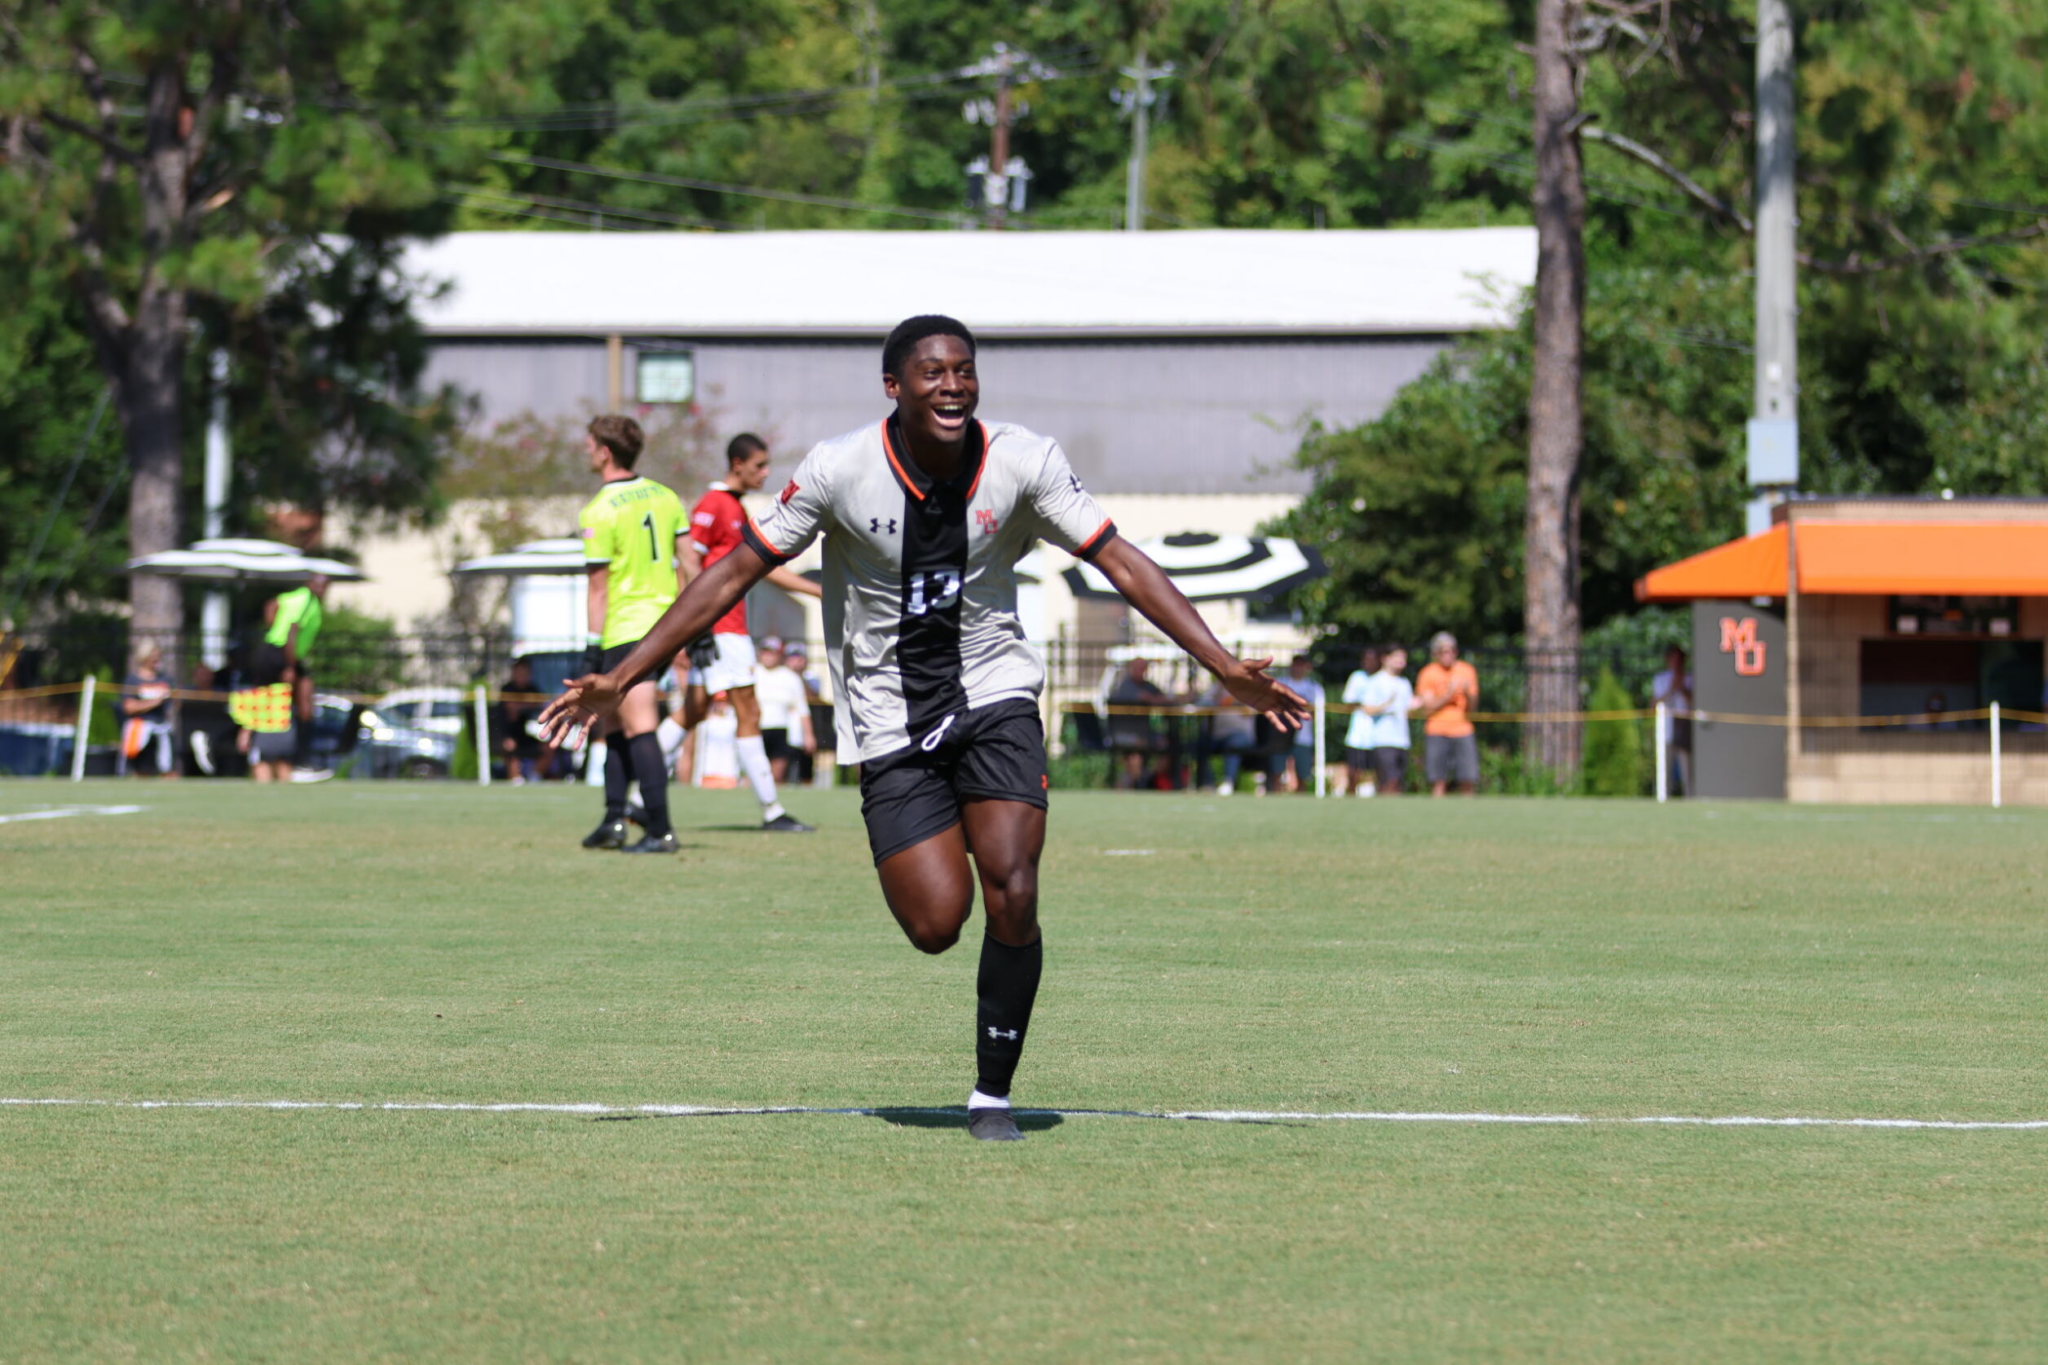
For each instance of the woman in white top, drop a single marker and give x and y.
(1358, 734)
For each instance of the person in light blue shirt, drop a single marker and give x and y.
(1302, 753)
(1388, 699)
(1358, 734)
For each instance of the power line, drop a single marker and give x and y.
(582, 220)
(585, 206)
(747, 191)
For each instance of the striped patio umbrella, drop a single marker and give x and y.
(1208, 567)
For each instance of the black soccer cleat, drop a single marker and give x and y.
(788, 824)
(653, 843)
(610, 834)
(993, 1125)
(636, 814)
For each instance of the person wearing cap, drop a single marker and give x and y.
(785, 709)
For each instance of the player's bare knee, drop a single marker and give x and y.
(935, 936)
(1014, 892)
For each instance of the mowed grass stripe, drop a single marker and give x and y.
(391, 944)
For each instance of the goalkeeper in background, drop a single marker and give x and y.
(629, 533)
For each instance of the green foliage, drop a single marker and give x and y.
(1613, 757)
(1419, 513)
(103, 727)
(462, 766)
(1080, 770)
(49, 384)
(357, 653)
(1927, 375)
(302, 144)
(1510, 772)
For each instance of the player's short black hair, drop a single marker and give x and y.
(910, 331)
(741, 447)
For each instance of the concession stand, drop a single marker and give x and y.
(1858, 650)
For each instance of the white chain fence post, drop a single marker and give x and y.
(1663, 757)
(84, 728)
(483, 737)
(1322, 742)
(1997, 787)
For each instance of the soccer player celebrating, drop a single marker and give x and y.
(716, 530)
(629, 535)
(925, 515)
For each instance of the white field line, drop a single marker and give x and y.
(1200, 1115)
(60, 812)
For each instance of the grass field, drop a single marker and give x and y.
(378, 943)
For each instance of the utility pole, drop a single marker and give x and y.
(213, 611)
(996, 182)
(999, 136)
(1774, 425)
(1139, 101)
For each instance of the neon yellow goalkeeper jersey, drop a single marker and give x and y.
(631, 529)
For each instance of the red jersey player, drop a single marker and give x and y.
(723, 661)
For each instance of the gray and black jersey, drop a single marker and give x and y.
(920, 584)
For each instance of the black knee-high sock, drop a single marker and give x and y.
(1007, 984)
(618, 773)
(653, 775)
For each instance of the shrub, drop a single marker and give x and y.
(1613, 762)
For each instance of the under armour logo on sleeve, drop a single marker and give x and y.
(875, 526)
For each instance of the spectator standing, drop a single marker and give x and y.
(1446, 691)
(1133, 735)
(785, 709)
(1358, 734)
(717, 736)
(146, 714)
(1301, 754)
(519, 703)
(1389, 701)
(1673, 687)
(1232, 732)
(819, 706)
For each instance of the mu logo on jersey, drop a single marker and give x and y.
(986, 520)
(1738, 637)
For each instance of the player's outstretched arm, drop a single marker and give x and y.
(1145, 586)
(711, 594)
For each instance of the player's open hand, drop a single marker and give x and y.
(567, 719)
(1275, 701)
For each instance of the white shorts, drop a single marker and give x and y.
(733, 668)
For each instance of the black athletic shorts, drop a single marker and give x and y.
(266, 664)
(616, 655)
(776, 743)
(995, 753)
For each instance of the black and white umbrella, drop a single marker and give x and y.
(537, 558)
(235, 560)
(1209, 568)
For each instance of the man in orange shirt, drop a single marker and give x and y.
(1445, 692)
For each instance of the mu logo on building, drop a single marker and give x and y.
(1738, 637)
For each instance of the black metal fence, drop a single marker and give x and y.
(364, 666)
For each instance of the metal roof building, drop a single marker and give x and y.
(1167, 363)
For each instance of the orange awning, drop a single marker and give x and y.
(1962, 559)
(1751, 567)
(1868, 558)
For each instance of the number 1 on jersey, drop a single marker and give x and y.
(653, 546)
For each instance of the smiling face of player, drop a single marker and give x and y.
(935, 397)
(748, 475)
